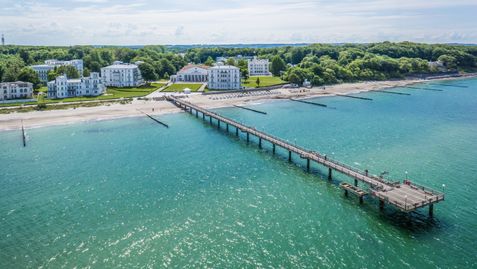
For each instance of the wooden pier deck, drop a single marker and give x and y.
(405, 196)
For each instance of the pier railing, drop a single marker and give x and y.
(406, 197)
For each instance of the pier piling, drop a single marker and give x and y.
(405, 196)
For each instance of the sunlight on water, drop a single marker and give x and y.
(130, 193)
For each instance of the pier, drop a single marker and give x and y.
(405, 196)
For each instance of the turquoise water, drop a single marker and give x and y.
(130, 193)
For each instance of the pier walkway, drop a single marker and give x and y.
(405, 196)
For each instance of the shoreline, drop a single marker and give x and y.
(39, 119)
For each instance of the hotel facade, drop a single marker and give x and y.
(258, 67)
(43, 69)
(15, 90)
(62, 87)
(121, 75)
(224, 77)
(192, 73)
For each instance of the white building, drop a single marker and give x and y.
(224, 77)
(15, 90)
(43, 69)
(192, 73)
(122, 75)
(258, 67)
(63, 87)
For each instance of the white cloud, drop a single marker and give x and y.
(246, 21)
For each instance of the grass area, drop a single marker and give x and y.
(158, 84)
(111, 93)
(179, 87)
(264, 82)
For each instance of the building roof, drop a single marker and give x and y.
(42, 66)
(189, 66)
(120, 66)
(17, 82)
(224, 67)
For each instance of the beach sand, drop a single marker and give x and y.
(37, 119)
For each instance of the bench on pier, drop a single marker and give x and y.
(353, 189)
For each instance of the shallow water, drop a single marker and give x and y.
(130, 193)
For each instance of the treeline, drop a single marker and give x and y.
(328, 64)
(158, 63)
(318, 63)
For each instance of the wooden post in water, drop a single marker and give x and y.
(381, 204)
(248, 137)
(361, 199)
(227, 127)
(210, 119)
(346, 193)
(289, 156)
(330, 176)
(308, 165)
(196, 114)
(23, 135)
(203, 116)
(273, 148)
(236, 131)
(356, 182)
(260, 142)
(218, 124)
(431, 210)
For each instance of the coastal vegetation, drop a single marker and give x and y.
(318, 63)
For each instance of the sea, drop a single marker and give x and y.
(130, 193)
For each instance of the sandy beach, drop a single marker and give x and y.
(38, 119)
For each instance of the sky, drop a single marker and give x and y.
(143, 22)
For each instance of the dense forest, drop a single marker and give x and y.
(318, 63)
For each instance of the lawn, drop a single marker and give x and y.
(111, 93)
(179, 87)
(264, 82)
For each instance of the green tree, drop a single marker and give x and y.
(68, 70)
(450, 62)
(86, 72)
(209, 61)
(52, 75)
(148, 72)
(278, 65)
(29, 75)
(11, 72)
(230, 61)
(295, 79)
(257, 82)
